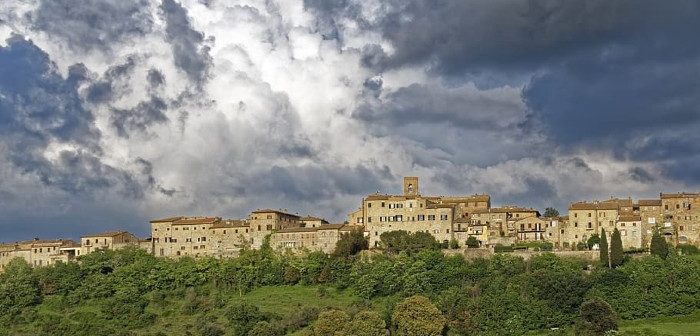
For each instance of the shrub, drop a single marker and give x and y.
(331, 321)
(501, 248)
(597, 318)
(417, 316)
(688, 249)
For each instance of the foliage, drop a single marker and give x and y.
(454, 244)
(367, 323)
(502, 248)
(616, 254)
(19, 288)
(472, 242)
(243, 317)
(604, 255)
(658, 245)
(351, 243)
(685, 249)
(417, 316)
(331, 321)
(131, 292)
(551, 212)
(398, 241)
(597, 318)
(593, 240)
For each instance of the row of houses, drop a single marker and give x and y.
(447, 218)
(38, 252)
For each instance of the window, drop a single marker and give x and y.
(369, 205)
(369, 219)
(575, 215)
(258, 227)
(204, 239)
(575, 224)
(680, 228)
(383, 204)
(622, 224)
(399, 218)
(522, 226)
(269, 216)
(678, 206)
(589, 214)
(443, 217)
(666, 206)
(431, 217)
(590, 225)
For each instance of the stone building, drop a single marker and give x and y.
(531, 228)
(414, 212)
(182, 236)
(651, 214)
(681, 217)
(39, 252)
(631, 231)
(112, 240)
(319, 238)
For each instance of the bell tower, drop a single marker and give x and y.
(410, 186)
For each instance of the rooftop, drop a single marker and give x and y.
(105, 234)
(197, 220)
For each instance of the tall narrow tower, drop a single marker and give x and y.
(410, 186)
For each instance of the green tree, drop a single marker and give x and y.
(551, 212)
(454, 244)
(616, 253)
(367, 323)
(351, 243)
(472, 242)
(604, 256)
(19, 287)
(263, 328)
(593, 240)
(400, 240)
(417, 316)
(658, 245)
(597, 318)
(243, 317)
(330, 322)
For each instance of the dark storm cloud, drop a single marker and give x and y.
(36, 102)
(139, 118)
(189, 53)
(464, 107)
(155, 77)
(102, 91)
(317, 183)
(459, 36)
(39, 108)
(93, 23)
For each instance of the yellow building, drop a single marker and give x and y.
(39, 252)
(681, 217)
(413, 212)
(112, 240)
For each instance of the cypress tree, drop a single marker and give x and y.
(616, 255)
(604, 256)
(658, 245)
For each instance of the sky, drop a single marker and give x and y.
(115, 112)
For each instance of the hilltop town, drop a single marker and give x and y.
(450, 219)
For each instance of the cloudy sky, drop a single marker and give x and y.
(113, 112)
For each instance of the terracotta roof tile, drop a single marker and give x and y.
(105, 234)
(197, 220)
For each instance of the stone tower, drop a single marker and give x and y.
(410, 186)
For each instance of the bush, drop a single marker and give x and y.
(597, 318)
(472, 242)
(330, 322)
(417, 316)
(688, 249)
(500, 248)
